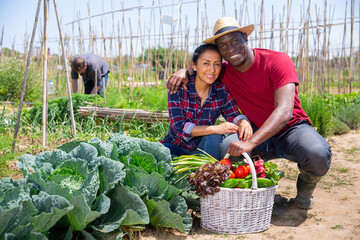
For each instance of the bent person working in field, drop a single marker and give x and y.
(85, 65)
(264, 85)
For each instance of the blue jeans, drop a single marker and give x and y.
(209, 143)
(89, 86)
(301, 144)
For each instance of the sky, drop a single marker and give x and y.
(17, 20)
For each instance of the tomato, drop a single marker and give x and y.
(248, 168)
(226, 161)
(241, 172)
(232, 174)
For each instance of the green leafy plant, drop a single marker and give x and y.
(12, 77)
(319, 114)
(120, 182)
(349, 114)
(340, 127)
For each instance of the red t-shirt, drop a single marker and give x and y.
(254, 89)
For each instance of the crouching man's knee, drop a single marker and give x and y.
(318, 161)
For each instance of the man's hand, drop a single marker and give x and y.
(237, 148)
(176, 79)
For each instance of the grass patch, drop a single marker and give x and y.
(352, 150)
(337, 227)
(340, 169)
(6, 155)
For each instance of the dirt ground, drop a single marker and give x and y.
(336, 214)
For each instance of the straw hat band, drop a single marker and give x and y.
(224, 29)
(227, 25)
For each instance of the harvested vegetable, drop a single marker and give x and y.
(207, 179)
(190, 163)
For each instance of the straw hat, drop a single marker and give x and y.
(227, 25)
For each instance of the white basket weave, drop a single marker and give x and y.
(237, 211)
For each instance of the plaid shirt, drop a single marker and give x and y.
(185, 112)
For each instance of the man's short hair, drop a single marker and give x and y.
(77, 64)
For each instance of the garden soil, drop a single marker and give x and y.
(336, 214)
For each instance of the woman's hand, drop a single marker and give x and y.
(226, 128)
(245, 130)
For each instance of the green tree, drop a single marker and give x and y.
(157, 57)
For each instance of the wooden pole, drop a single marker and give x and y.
(22, 95)
(272, 29)
(96, 91)
(350, 73)
(142, 75)
(324, 72)
(90, 31)
(288, 8)
(317, 46)
(131, 61)
(307, 65)
(1, 42)
(44, 100)
(344, 61)
(261, 23)
(68, 88)
(119, 60)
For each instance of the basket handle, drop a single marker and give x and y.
(252, 169)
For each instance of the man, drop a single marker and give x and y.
(264, 85)
(85, 65)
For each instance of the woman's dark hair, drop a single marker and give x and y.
(201, 49)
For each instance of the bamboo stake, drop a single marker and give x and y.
(272, 28)
(23, 89)
(261, 23)
(149, 56)
(111, 46)
(163, 38)
(131, 60)
(344, 61)
(328, 55)
(44, 100)
(358, 55)
(90, 31)
(73, 32)
(317, 45)
(155, 55)
(1, 42)
(102, 31)
(288, 7)
(96, 86)
(197, 23)
(66, 73)
(307, 65)
(142, 75)
(223, 9)
(351, 44)
(323, 61)
(180, 39)
(119, 61)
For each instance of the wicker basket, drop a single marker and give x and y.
(238, 211)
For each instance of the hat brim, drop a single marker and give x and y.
(247, 29)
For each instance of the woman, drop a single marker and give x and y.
(193, 112)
